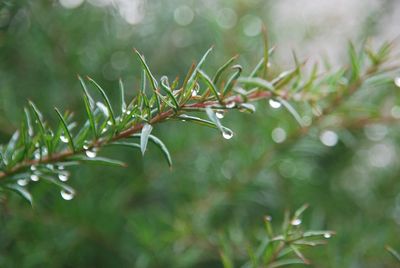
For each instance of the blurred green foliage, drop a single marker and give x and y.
(218, 191)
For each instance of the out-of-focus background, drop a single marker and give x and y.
(218, 191)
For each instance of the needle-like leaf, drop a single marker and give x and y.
(66, 130)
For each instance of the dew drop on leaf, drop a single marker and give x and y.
(49, 166)
(63, 177)
(219, 114)
(22, 182)
(295, 222)
(227, 134)
(64, 139)
(230, 105)
(274, 104)
(90, 154)
(67, 195)
(34, 177)
(327, 235)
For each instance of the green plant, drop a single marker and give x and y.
(393, 252)
(38, 151)
(277, 250)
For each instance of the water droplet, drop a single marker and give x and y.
(36, 155)
(247, 107)
(63, 176)
(22, 182)
(227, 134)
(278, 135)
(49, 166)
(91, 154)
(33, 168)
(219, 114)
(109, 123)
(295, 222)
(274, 104)
(230, 105)
(104, 130)
(61, 167)
(194, 93)
(397, 81)
(67, 194)
(34, 177)
(267, 218)
(327, 235)
(64, 139)
(85, 147)
(329, 138)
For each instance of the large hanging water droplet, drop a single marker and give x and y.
(23, 182)
(91, 154)
(63, 176)
(274, 104)
(227, 134)
(34, 177)
(64, 139)
(295, 222)
(329, 138)
(67, 194)
(219, 114)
